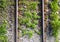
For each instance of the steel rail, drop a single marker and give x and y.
(43, 32)
(16, 21)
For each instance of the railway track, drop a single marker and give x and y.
(43, 22)
(44, 10)
(13, 22)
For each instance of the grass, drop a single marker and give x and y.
(3, 38)
(54, 6)
(3, 31)
(29, 18)
(55, 23)
(55, 20)
(3, 4)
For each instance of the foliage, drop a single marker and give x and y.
(3, 28)
(3, 31)
(55, 20)
(27, 32)
(3, 38)
(30, 5)
(54, 16)
(33, 5)
(3, 4)
(29, 17)
(54, 6)
(55, 23)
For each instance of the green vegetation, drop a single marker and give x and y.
(54, 6)
(29, 17)
(3, 4)
(27, 32)
(3, 21)
(55, 20)
(55, 23)
(3, 38)
(3, 28)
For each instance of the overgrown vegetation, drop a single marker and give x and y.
(3, 37)
(54, 6)
(3, 4)
(55, 20)
(3, 21)
(29, 17)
